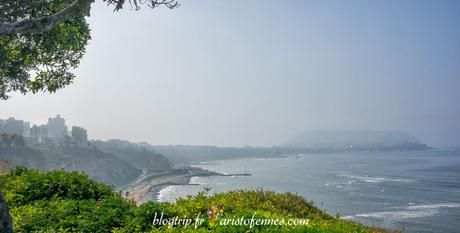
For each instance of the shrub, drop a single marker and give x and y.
(60, 201)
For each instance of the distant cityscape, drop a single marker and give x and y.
(54, 133)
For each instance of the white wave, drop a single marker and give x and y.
(198, 183)
(165, 194)
(393, 215)
(340, 185)
(433, 206)
(413, 211)
(336, 185)
(373, 179)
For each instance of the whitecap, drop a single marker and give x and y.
(433, 206)
(413, 211)
(373, 179)
(395, 215)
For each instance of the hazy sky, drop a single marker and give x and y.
(229, 72)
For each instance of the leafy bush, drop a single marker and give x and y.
(23, 186)
(269, 203)
(60, 201)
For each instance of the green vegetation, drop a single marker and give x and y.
(114, 162)
(101, 166)
(42, 61)
(60, 201)
(11, 140)
(41, 42)
(134, 153)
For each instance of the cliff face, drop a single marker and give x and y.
(101, 166)
(138, 155)
(115, 162)
(356, 139)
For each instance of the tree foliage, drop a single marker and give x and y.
(11, 140)
(42, 41)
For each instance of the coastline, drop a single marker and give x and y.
(154, 183)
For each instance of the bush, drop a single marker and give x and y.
(60, 201)
(23, 186)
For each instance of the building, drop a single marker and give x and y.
(54, 134)
(13, 126)
(26, 130)
(79, 135)
(37, 135)
(57, 127)
(39, 131)
(2, 126)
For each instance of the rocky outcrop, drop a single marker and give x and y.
(6, 225)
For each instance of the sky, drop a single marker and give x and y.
(234, 72)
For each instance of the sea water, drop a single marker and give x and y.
(417, 191)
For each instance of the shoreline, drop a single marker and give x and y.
(154, 192)
(154, 183)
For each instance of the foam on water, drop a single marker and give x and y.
(393, 215)
(434, 206)
(412, 211)
(373, 179)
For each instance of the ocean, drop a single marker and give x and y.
(414, 191)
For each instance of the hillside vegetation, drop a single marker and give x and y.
(136, 154)
(99, 165)
(114, 162)
(60, 201)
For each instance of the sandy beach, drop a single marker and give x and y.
(154, 183)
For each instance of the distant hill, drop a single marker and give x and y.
(193, 153)
(356, 140)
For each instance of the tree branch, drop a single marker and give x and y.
(171, 4)
(47, 23)
(77, 7)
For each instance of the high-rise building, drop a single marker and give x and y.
(57, 127)
(79, 136)
(39, 131)
(2, 125)
(13, 126)
(54, 133)
(26, 130)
